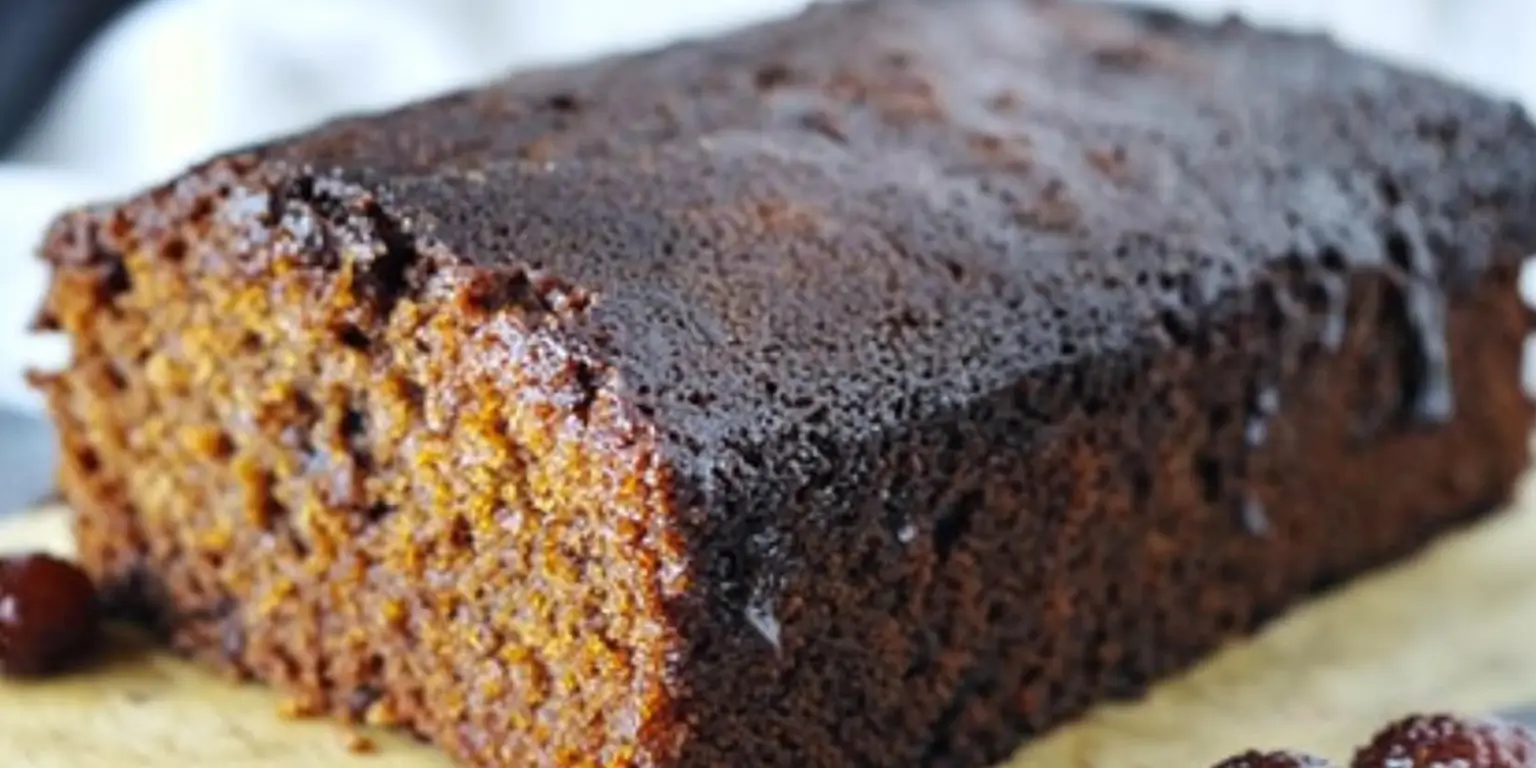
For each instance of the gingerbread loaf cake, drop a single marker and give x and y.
(876, 387)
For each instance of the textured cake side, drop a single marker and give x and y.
(936, 596)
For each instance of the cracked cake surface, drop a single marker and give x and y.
(880, 386)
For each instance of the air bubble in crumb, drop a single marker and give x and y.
(1253, 517)
(1256, 432)
(759, 614)
(1268, 401)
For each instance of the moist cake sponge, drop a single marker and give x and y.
(875, 387)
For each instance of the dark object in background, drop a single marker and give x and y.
(39, 41)
(49, 615)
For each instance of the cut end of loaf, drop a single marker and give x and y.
(319, 462)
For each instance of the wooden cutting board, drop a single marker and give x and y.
(1452, 629)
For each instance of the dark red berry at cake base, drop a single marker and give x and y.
(1446, 741)
(1255, 759)
(49, 615)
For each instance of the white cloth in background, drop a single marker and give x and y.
(179, 80)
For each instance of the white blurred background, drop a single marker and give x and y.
(177, 80)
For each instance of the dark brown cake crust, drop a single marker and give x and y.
(877, 387)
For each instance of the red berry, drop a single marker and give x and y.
(48, 615)
(1443, 741)
(1274, 760)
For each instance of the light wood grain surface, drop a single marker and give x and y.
(1453, 629)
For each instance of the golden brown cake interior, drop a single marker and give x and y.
(391, 506)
